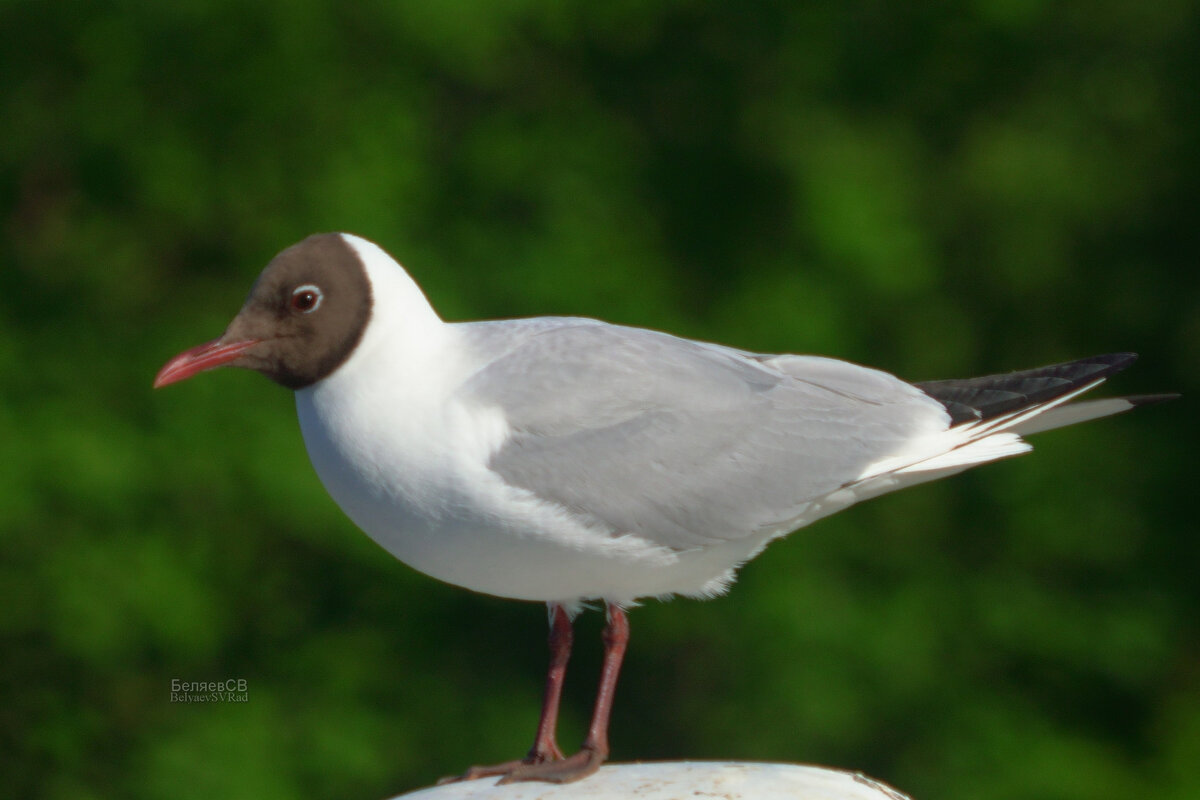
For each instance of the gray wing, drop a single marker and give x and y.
(681, 442)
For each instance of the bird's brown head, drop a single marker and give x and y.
(305, 315)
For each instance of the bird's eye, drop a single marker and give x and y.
(307, 298)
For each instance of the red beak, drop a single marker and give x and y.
(200, 358)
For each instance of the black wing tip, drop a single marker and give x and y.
(1083, 370)
(1139, 400)
(991, 395)
(1111, 362)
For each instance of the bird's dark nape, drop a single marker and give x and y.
(974, 399)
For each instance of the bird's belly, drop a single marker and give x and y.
(443, 512)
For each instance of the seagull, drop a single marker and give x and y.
(566, 460)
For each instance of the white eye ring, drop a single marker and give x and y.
(307, 289)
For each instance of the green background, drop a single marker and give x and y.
(937, 189)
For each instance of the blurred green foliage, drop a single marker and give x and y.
(937, 189)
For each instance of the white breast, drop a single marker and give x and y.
(406, 460)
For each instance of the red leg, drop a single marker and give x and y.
(595, 747)
(545, 747)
